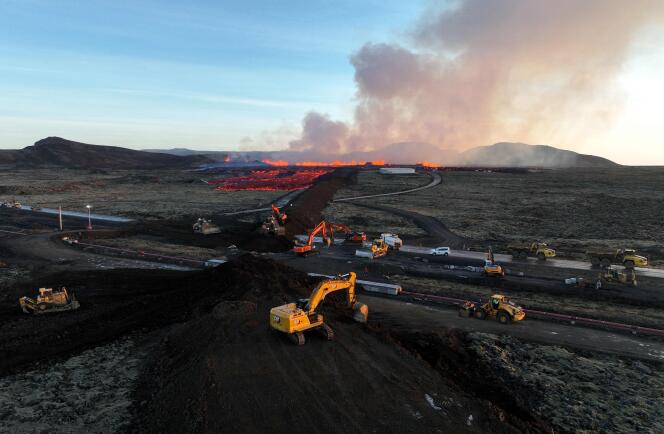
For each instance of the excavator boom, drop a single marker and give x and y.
(308, 246)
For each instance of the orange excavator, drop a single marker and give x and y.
(307, 248)
(278, 215)
(275, 223)
(351, 236)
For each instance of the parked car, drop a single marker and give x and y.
(441, 251)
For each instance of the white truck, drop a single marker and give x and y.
(392, 240)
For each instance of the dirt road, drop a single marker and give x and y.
(436, 179)
(414, 315)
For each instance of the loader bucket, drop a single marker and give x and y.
(360, 312)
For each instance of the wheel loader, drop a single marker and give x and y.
(49, 300)
(498, 307)
(294, 319)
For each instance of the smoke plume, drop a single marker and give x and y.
(483, 71)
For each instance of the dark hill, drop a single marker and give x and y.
(522, 155)
(59, 152)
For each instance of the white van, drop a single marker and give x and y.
(441, 251)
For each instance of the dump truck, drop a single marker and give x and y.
(49, 300)
(498, 307)
(205, 227)
(541, 251)
(378, 249)
(392, 240)
(626, 257)
(294, 319)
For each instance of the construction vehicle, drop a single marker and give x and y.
(275, 223)
(378, 249)
(12, 204)
(392, 240)
(491, 269)
(307, 248)
(541, 251)
(205, 227)
(49, 300)
(352, 237)
(613, 275)
(498, 307)
(296, 318)
(626, 257)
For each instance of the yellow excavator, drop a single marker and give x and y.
(296, 318)
(491, 269)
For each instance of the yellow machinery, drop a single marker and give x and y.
(49, 300)
(613, 275)
(296, 318)
(498, 307)
(492, 269)
(539, 250)
(205, 227)
(379, 248)
(626, 257)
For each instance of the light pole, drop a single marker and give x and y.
(89, 207)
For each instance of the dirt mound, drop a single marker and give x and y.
(228, 371)
(306, 211)
(117, 302)
(233, 232)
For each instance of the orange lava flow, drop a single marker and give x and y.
(429, 165)
(336, 163)
(275, 163)
(270, 179)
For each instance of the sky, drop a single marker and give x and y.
(213, 75)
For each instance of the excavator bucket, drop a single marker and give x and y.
(360, 312)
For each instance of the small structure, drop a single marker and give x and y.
(396, 171)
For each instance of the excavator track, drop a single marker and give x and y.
(327, 331)
(297, 338)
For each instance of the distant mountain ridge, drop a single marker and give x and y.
(59, 152)
(504, 154)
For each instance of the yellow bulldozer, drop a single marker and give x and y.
(294, 319)
(613, 275)
(378, 249)
(498, 307)
(49, 300)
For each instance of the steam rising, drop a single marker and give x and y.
(485, 71)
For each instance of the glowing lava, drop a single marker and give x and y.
(278, 163)
(270, 179)
(429, 165)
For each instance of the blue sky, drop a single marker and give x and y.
(147, 74)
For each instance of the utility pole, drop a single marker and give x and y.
(89, 207)
(60, 216)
